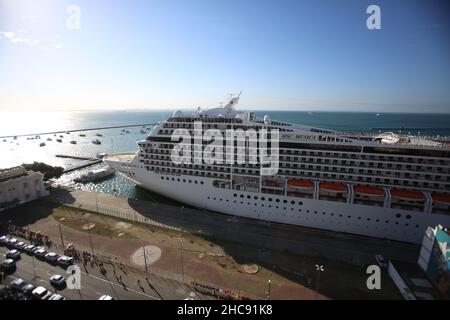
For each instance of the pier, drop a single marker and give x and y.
(82, 165)
(78, 130)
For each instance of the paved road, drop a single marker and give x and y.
(93, 285)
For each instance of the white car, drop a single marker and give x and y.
(3, 240)
(106, 297)
(41, 293)
(56, 297)
(51, 257)
(57, 280)
(65, 261)
(40, 253)
(13, 254)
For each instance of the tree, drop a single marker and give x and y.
(49, 172)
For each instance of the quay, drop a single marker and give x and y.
(89, 163)
(79, 130)
(74, 157)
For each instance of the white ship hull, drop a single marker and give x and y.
(394, 224)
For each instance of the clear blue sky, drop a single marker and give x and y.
(305, 55)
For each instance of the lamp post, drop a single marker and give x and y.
(60, 233)
(88, 227)
(181, 256)
(319, 269)
(268, 289)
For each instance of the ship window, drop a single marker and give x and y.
(292, 202)
(162, 178)
(398, 215)
(248, 197)
(408, 216)
(242, 195)
(277, 200)
(270, 199)
(235, 195)
(263, 198)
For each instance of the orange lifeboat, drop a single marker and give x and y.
(442, 198)
(408, 195)
(301, 184)
(333, 187)
(369, 191)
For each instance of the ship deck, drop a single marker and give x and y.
(123, 157)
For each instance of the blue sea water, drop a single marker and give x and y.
(21, 150)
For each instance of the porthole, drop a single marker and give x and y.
(292, 202)
(277, 200)
(270, 199)
(284, 201)
(235, 195)
(408, 216)
(398, 215)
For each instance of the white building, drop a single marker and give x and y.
(17, 185)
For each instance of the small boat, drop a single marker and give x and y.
(99, 135)
(408, 195)
(67, 132)
(38, 137)
(4, 140)
(49, 139)
(95, 175)
(73, 142)
(42, 144)
(102, 155)
(58, 140)
(143, 131)
(15, 138)
(96, 141)
(126, 131)
(333, 187)
(301, 184)
(441, 198)
(369, 191)
(61, 136)
(82, 135)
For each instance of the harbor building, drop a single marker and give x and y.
(434, 258)
(17, 186)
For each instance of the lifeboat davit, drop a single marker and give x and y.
(333, 187)
(408, 195)
(369, 191)
(301, 184)
(441, 198)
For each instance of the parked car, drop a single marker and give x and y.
(65, 261)
(19, 245)
(28, 289)
(10, 242)
(51, 257)
(57, 280)
(56, 297)
(13, 254)
(40, 253)
(3, 240)
(17, 285)
(29, 249)
(40, 293)
(8, 265)
(106, 297)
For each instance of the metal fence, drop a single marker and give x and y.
(124, 214)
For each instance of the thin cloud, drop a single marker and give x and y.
(11, 36)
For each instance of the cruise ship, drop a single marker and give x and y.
(387, 186)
